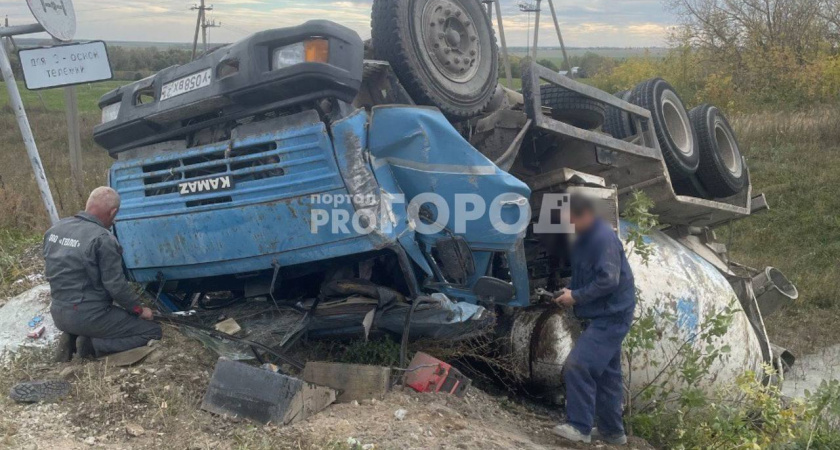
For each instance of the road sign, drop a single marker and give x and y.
(56, 16)
(65, 65)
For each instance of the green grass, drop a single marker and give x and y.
(795, 160)
(14, 244)
(53, 99)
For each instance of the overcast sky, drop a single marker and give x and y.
(585, 23)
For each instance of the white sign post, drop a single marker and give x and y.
(58, 18)
(26, 133)
(65, 65)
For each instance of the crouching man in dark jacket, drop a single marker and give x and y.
(85, 271)
(603, 295)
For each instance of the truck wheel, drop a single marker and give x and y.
(673, 128)
(572, 108)
(691, 187)
(443, 51)
(618, 123)
(722, 170)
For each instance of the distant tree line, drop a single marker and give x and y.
(590, 63)
(129, 63)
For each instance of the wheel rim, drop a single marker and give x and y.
(677, 127)
(450, 40)
(728, 149)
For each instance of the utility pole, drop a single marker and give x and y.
(200, 25)
(560, 37)
(205, 26)
(504, 43)
(536, 29)
(532, 8)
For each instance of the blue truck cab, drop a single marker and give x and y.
(267, 180)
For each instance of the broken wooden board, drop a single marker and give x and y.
(352, 381)
(240, 390)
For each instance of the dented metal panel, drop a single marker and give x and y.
(264, 219)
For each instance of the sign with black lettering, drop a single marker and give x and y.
(65, 65)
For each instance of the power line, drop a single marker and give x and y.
(202, 25)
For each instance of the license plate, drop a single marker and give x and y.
(187, 84)
(206, 185)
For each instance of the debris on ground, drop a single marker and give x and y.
(228, 326)
(354, 382)
(428, 374)
(40, 391)
(18, 320)
(164, 398)
(240, 390)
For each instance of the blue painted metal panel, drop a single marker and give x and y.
(424, 153)
(416, 151)
(265, 219)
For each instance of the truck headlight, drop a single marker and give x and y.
(111, 112)
(311, 50)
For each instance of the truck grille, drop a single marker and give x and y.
(271, 161)
(257, 162)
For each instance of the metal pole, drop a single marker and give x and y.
(203, 27)
(536, 31)
(197, 28)
(21, 29)
(560, 37)
(508, 73)
(26, 133)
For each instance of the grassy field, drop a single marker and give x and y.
(795, 159)
(53, 99)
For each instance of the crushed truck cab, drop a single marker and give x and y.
(285, 192)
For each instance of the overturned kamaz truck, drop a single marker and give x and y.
(332, 187)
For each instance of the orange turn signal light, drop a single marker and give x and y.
(317, 50)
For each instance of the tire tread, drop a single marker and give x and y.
(645, 95)
(712, 174)
(560, 99)
(389, 41)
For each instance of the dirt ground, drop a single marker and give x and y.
(156, 405)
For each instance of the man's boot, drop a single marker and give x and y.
(66, 348)
(84, 347)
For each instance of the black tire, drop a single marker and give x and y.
(572, 108)
(722, 169)
(671, 123)
(691, 187)
(618, 122)
(452, 64)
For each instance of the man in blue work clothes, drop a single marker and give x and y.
(603, 295)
